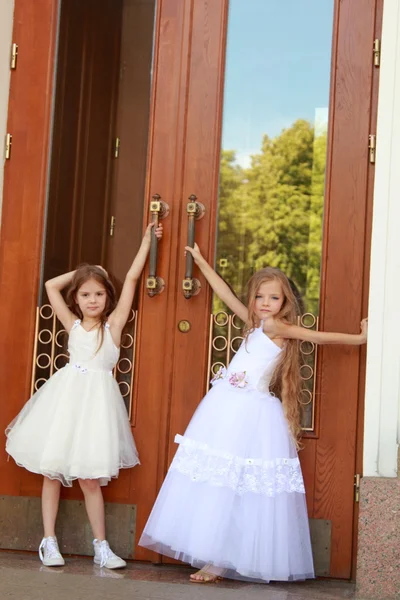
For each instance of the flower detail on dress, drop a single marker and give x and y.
(220, 374)
(80, 368)
(238, 380)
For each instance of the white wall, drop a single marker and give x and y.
(382, 401)
(6, 24)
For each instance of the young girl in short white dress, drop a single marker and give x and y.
(76, 425)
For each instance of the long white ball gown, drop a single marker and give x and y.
(234, 495)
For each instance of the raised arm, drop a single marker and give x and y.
(120, 314)
(322, 337)
(53, 289)
(218, 285)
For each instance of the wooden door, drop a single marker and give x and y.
(176, 154)
(131, 135)
(86, 91)
(339, 202)
(81, 185)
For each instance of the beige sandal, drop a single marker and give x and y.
(206, 577)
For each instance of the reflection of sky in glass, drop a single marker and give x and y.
(277, 69)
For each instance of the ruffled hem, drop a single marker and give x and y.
(229, 571)
(201, 463)
(253, 536)
(67, 479)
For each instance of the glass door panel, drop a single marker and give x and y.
(273, 158)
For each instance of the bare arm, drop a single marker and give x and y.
(120, 314)
(322, 337)
(218, 285)
(53, 289)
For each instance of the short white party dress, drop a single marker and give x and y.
(234, 496)
(76, 424)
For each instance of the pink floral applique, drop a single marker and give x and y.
(238, 380)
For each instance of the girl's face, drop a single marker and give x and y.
(269, 299)
(91, 299)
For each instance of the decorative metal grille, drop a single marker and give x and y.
(225, 339)
(51, 353)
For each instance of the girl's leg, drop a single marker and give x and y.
(94, 503)
(50, 501)
(48, 550)
(103, 555)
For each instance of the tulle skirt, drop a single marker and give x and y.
(75, 426)
(234, 495)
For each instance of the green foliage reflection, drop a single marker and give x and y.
(271, 213)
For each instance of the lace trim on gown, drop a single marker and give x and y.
(267, 477)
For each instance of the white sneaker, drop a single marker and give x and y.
(105, 557)
(49, 553)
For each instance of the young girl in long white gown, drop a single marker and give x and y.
(233, 501)
(76, 425)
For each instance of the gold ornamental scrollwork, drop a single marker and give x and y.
(223, 327)
(50, 353)
(225, 340)
(309, 356)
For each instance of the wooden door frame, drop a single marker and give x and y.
(24, 199)
(366, 278)
(343, 371)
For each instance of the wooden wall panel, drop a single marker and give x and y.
(25, 180)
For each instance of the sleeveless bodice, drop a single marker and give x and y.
(254, 363)
(85, 354)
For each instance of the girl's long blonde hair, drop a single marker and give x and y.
(286, 381)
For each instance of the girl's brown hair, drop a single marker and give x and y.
(82, 275)
(286, 381)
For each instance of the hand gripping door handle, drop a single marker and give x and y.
(195, 211)
(158, 210)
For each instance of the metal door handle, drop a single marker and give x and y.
(158, 210)
(195, 211)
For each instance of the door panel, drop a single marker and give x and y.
(328, 459)
(31, 90)
(154, 358)
(85, 97)
(132, 129)
(201, 179)
(345, 252)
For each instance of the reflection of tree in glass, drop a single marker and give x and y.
(271, 213)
